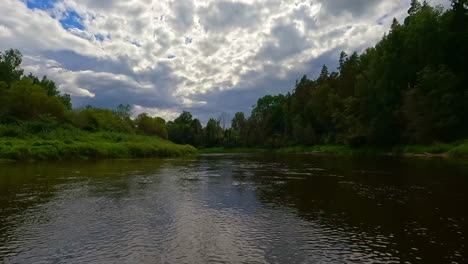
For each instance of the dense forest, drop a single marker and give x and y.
(411, 88)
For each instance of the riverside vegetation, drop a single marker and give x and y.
(38, 122)
(407, 94)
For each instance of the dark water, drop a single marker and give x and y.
(235, 209)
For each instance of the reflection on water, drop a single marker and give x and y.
(235, 209)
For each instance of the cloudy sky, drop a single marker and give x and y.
(202, 56)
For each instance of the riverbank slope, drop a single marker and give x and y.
(62, 143)
(455, 149)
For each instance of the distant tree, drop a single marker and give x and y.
(123, 111)
(434, 108)
(27, 101)
(196, 131)
(323, 74)
(223, 119)
(213, 133)
(238, 131)
(238, 122)
(10, 62)
(180, 130)
(415, 7)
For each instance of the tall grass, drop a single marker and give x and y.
(69, 143)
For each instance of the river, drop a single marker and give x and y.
(235, 208)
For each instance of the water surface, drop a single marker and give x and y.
(249, 208)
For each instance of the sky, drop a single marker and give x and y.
(207, 57)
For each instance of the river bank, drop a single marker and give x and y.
(64, 144)
(69, 144)
(456, 149)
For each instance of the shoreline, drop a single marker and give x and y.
(80, 145)
(454, 150)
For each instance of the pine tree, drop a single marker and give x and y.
(415, 7)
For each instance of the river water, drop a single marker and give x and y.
(237, 208)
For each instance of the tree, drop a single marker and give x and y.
(222, 119)
(123, 111)
(238, 129)
(196, 131)
(435, 107)
(323, 74)
(213, 133)
(238, 122)
(10, 61)
(27, 101)
(180, 131)
(415, 7)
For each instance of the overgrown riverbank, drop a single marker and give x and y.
(456, 149)
(62, 144)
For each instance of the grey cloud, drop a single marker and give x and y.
(210, 46)
(163, 39)
(113, 82)
(183, 16)
(303, 14)
(355, 7)
(82, 34)
(110, 91)
(287, 41)
(76, 62)
(219, 16)
(102, 4)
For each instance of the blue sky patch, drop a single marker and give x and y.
(99, 37)
(71, 19)
(40, 4)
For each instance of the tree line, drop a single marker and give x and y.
(411, 87)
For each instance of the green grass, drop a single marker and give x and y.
(63, 143)
(459, 151)
(455, 149)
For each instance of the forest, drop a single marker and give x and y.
(410, 88)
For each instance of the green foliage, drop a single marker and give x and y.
(151, 126)
(72, 143)
(98, 119)
(434, 108)
(213, 133)
(185, 130)
(460, 150)
(10, 61)
(27, 101)
(27, 97)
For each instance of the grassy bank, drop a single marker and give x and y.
(78, 144)
(457, 149)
